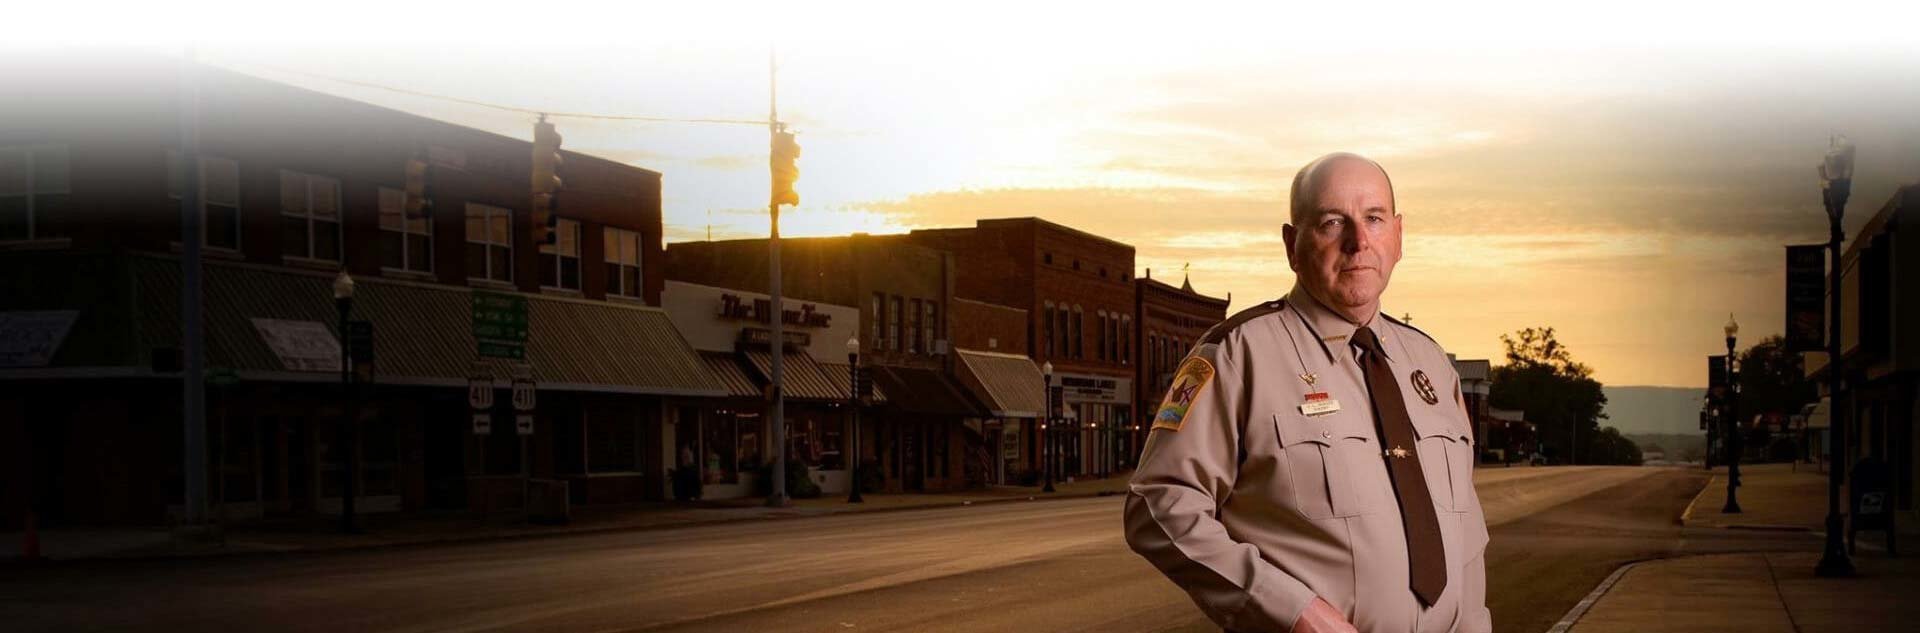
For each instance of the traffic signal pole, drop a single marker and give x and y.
(778, 497)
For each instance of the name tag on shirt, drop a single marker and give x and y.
(1319, 404)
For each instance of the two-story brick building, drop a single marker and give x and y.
(1077, 289)
(917, 435)
(296, 186)
(1171, 321)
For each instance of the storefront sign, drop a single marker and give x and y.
(733, 307)
(30, 339)
(762, 337)
(1806, 298)
(1089, 388)
(301, 345)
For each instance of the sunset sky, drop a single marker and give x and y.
(1626, 173)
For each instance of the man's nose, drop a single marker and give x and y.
(1356, 239)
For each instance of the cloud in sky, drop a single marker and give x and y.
(1629, 181)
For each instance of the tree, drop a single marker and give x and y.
(1559, 396)
(1771, 383)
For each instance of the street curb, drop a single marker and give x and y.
(1687, 515)
(1579, 610)
(12, 562)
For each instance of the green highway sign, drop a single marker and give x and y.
(500, 325)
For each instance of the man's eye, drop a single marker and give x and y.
(1333, 222)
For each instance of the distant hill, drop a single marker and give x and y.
(1654, 410)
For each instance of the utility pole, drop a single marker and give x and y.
(192, 325)
(778, 497)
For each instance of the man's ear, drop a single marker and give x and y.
(1287, 233)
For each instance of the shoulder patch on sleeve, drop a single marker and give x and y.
(1193, 375)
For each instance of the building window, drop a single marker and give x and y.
(893, 323)
(916, 344)
(1047, 258)
(878, 338)
(560, 261)
(612, 444)
(1047, 328)
(1100, 346)
(405, 243)
(1126, 339)
(1066, 334)
(309, 216)
(489, 243)
(930, 323)
(623, 261)
(219, 198)
(1076, 264)
(1078, 337)
(35, 186)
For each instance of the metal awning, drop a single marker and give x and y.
(926, 391)
(1008, 384)
(1819, 414)
(422, 332)
(804, 378)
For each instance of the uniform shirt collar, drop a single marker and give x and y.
(1334, 331)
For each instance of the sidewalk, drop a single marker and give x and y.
(385, 530)
(1760, 592)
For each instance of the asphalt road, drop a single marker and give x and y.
(1054, 566)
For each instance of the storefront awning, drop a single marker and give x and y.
(804, 378)
(727, 369)
(926, 391)
(422, 332)
(1008, 384)
(837, 372)
(1818, 415)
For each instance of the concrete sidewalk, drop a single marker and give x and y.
(1759, 592)
(387, 530)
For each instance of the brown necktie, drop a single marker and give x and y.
(1426, 554)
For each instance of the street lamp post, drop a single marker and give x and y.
(1733, 424)
(1836, 183)
(853, 404)
(343, 299)
(1046, 436)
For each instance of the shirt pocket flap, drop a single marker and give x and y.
(1440, 426)
(1295, 428)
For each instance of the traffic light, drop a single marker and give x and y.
(546, 181)
(784, 160)
(419, 189)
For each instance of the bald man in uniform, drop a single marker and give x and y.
(1311, 468)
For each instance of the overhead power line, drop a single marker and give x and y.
(508, 108)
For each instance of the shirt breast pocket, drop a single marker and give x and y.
(1447, 455)
(1333, 464)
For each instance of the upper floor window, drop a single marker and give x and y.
(489, 242)
(309, 216)
(405, 243)
(930, 323)
(219, 198)
(916, 344)
(894, 313)
(1100, 331)
(34, 189)
(560, 261)
(879, 340)
(1047, 334)
(1078, 338)
(623, 261)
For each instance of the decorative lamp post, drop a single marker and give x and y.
(1046, 436)
(1836, 183)
(343, 299)
(1733, 424)
(853, 407)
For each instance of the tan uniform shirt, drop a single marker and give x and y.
(1255, 507)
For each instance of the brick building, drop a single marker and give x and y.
(917, 437)
(297, 186)
(1077, 289)
(1171, 320)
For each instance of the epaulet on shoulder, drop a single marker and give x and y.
(1410, 327)
(1220, 330)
